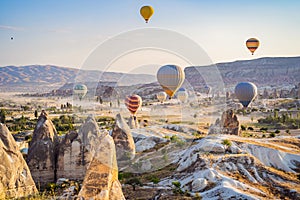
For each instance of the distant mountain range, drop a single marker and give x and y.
(273, 72)
(264, 72)
(48, 77)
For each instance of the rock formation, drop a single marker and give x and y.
(229, 124)
(16, 180)
(258, 170)
(76, 150)
(101, 179)
(123, 139)
(90, 155)
(133, 123)
(41, 153)
(199, 184)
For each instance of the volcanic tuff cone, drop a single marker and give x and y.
(16, 180)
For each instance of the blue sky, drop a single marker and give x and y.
(64, 32)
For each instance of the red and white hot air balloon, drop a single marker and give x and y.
(133, 103)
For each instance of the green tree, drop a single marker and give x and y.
(243, 127)
(276, 114)
(36, 114)
(227, 142)
(119, 103)
(26, 108)
(134, 182)
(272, 134)
(2, 116)
(155, 180)
(69, 105)
(177, 189)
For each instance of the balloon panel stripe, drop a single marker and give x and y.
(252, 40)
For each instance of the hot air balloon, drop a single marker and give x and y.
(252, 44)
(182, 95)
(170, 77)
(245, 92)
(146, 12)
(161, 96)
(206, 89)
(133, 103)
(80, 90)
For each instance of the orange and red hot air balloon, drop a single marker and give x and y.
(252, 44)
(133, 103)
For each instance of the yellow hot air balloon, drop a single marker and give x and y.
(252, 44)
(170, 77)
(147, 12)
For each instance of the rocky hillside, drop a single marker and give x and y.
(52, 77)
(264, 72)
(277, 71)
(171, 166)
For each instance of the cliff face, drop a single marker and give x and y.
(16, 180)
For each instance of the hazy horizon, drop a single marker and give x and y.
(142, 69)
(66, 33)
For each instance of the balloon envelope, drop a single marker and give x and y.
(80, 90)
(146, 12)
(245, 92)
(206, 89)
(181, 89)
(182, 95)
(161, 96)
(170, 77)
(133, 103)
(252, 44)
